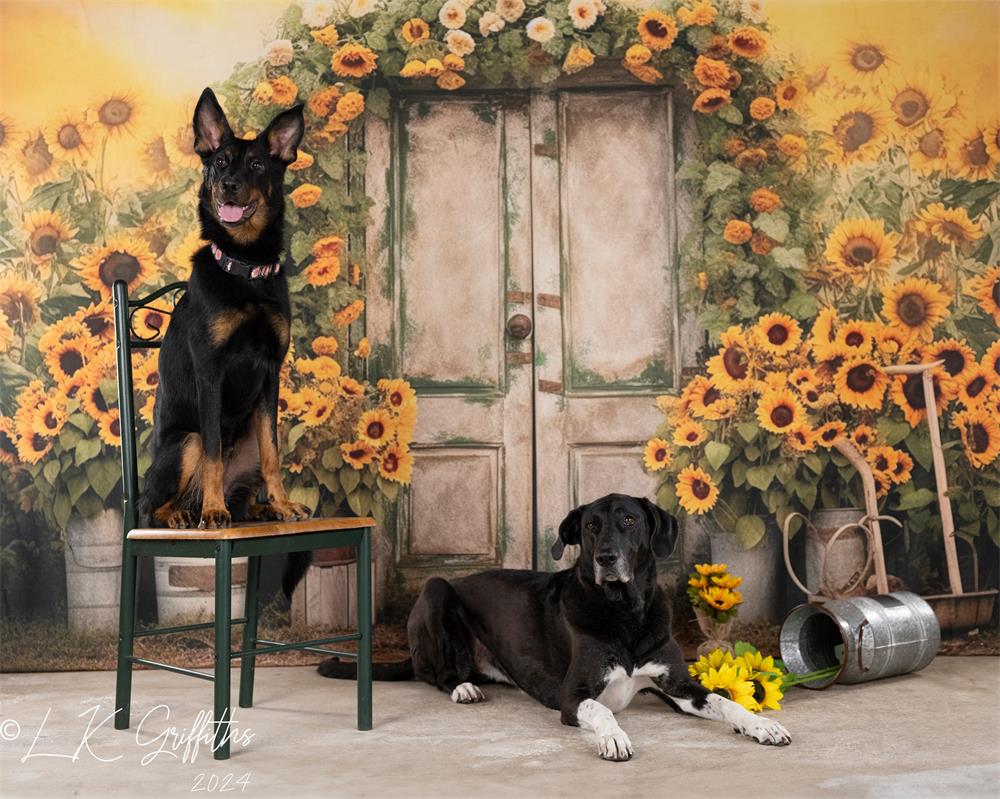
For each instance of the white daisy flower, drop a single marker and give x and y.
(459, 42)
(510, 10)
(583, 13)
(316, 13)
(490, 22)
(361, 8)
(279, 52)
(452, 14)
(541, 29)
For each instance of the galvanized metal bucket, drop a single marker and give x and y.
(868, 637)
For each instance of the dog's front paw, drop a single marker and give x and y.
(180, 519)
(214, 518)
(287, 511)
(467, 694)
(614, 746)
(767, 732)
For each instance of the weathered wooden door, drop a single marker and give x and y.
(557, 208)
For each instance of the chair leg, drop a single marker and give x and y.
(223, 617)
(365, 630)
(126, 632)
(250, 631)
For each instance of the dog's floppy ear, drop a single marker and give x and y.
(210, 124)
(283, 135)
(569, 533)
(662, 529)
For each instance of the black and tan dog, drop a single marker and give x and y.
(215, 422)
(583, 641)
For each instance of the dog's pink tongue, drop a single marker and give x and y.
(231, 212)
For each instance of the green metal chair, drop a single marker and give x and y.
(251, 540)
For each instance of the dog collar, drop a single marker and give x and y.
(235, 266)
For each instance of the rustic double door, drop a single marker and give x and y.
(523, 265)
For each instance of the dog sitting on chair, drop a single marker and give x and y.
(583, 641)
(215, 426)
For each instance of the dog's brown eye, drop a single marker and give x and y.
(629, 521)
(256, 165)
(591, 525)
(220, 162)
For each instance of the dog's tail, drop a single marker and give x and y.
(296, 564)
(348, 670)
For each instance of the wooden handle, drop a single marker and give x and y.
(849, 451)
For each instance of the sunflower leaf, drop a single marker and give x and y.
(720, 177)
(761, 477)
(916, 499)
(773, 224)
(716, 453)
(350, 479)
(749, 531)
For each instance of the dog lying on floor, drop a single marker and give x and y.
(583, 641)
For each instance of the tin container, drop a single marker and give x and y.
(868, 637)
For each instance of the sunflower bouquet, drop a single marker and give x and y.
(712, 591)
(758, 430)
(744, 675)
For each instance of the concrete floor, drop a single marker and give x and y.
(933, 734)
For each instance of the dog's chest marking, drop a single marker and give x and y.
(222, 327)
(621, 686)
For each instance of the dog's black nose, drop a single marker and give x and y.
(230, 186)
(607, 558)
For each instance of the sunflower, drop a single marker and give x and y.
(148, 409)
(791, 145)
(956, 354)
(415, 30)
(991, 359)
(656, 456)
(947, 225)
(398, 394)
(747, 41)
(766, 689)
(396, 463)
(860, 249)
(882, 458)
(92, 398)
(865, 64)
(49, 417)
(713, 660)
(180, 147)
(856, 129)
(830, 433)
(323, 102)
(32, 447)
(19, 300)
(690, 434)
(123, 257)
(702, 395)
(146, 374)
(980, 436)
(317, 407)
(8, 441)
(789, 93)
(864, 436)
(777, 333)
(117, 113)
(969, 158)
(902, 469)
(306, 195)
(657, 30)
(915, 304)
(732, 682)
(708, 569)
(68, 356)
(985, 289)
(375, 427)
(729, 369)
(855, 337)
(325, 345)
(696, 491)
(184, 252)
(919, 102)
(353, 61)
(711, 100)
(780, 411)
(349, 313)
(726, 581)
(323, 271)
(110, 428)
(801, 438)
(931, 150)
(907, 393)
(326, 36)
(720, 598)
(46, 231)
(821, 335)
(973, 387)
(697, 583)
(357, 454)
(861, 383)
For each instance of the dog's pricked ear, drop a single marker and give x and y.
(284, 134)
(569, 533)
(210, 124)
(662, 529)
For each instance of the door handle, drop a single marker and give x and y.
(519, 326)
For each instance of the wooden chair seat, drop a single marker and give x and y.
(250, 530)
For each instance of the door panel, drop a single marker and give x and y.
(607, 253)
(455, 211)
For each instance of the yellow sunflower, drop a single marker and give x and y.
(123, 257)
(860, 249)
(46, 231)
(396, 463)
(919, 102)
(325, 345)
(713, 660)
(117, 113)
(109, 426)
(948, 225)
(892, 340)
(956, 354)
(747, 41)
(864, 436)
(780, 411)
(980, 433)
(915, 304)
(973, 387)
(146, 374)
(349, 313)
(357, 454)
(698, 582)
(882, 458)
(690, 434)
(801, 438)
(903, 468)
(727, 581)
(50, 416)
(353, 61)
(732, 681)
(855, 337)
(822, 334)
(789, 93)
(720, 598)
(327, 36)
(861, 383)
(777, 333)
(376, 427)
(856, 129)
(708, 569)
(415, 30)
(148, 409)
(68, 356)
(657, 30)
(19, 300)
(323, 271)
(931, 150)
(399, 394)
(985, 289)
(318, 407)
(656, 455)
(970, 159)
(702, 395)
(711, 100)
(830, 433)
(8, 441)
(991, 359)
(865, 64)
(180, 147)
(696, 491)
(907, 393)
(730, 367)
(32, 447)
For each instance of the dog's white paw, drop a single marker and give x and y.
(467, 693)
(767, 732)
(614, 746)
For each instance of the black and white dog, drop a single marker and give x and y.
(583, 641)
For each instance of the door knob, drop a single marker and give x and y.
(519, 326)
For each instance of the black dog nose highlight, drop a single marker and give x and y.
(231, 186)
(607, 559)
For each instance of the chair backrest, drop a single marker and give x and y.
(127, 339)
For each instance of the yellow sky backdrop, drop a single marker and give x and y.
(58, 56)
